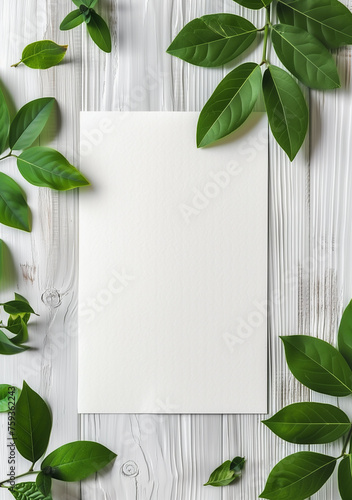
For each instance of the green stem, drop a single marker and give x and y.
(7, 156)
(266, 36)
(29, 473)
(346, 442)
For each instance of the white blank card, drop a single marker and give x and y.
(173, 266)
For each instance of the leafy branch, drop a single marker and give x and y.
(227, 473)
(30, 431)
(96, 26)
(40, 166)
(15, 333)
(324, 369)
(308, 29)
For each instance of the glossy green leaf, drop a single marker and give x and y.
(29, 122)
(254, 4)
(345, 334)
(345, 478)
(99, 32)
(46, 167)
(21, 298)
(18, 327)
(72, 20)
(4, 122)
(230, 105)
(17, 308)
(32, 424)
(14, 211)
(328, 20)
(237, 464)
(2, 258)
(43, 483)
(42, 55)
(286, 108)
(28, 491)
(309, 423)
(87, 3)
(76, 461)
(26, 316)
(318, 365)
(305, 56)
(213, 40)
(7, 347)
(298, 476)
(8, 396)
(227, 473)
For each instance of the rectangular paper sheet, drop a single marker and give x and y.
(173, 266)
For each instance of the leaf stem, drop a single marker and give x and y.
(29, 473)
(266, 36)
(7, 156)
(346, 442)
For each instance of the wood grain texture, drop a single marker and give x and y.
(310, 246)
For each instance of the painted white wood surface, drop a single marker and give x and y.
(310, 247)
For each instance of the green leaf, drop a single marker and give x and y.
(42, 55)
(237, 464)
(43, 483)
(345, 334)
(2, 259)
(14, 211)
(32, 424)
(99, 32)
(17, 308)
(318, 365)
(21, 298)
(7, 347)
(298, 476)
(345, 477)
(213, 40)
(46, 167)
(254, 4)
(76, 461)
(230, 105)
(87, 3)
(18, 327)
(72, 20)
(287, 110)
(227, 473)
(25, 317)
(29, 122)
(8, 394)
(305, 56)
(328, 20)
(28, 491)
(4, 122)
(309, 423)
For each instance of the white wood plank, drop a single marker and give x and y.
(45, 259)
(310, 277)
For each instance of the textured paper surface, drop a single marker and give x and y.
(173, 266)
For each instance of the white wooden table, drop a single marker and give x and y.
(310, 248)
